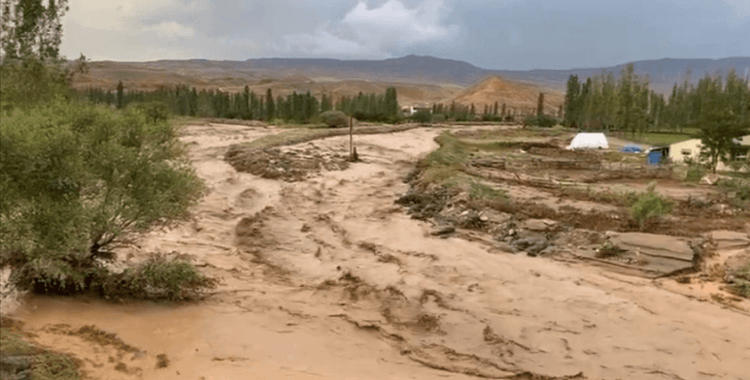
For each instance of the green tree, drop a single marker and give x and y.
(270, 106)
(719, 123)
(120, 95)
(325, 104)
(31, 68)
(31, 30)
(572, 101)
(539, 105)
(391, 103)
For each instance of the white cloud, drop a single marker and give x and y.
(740, 8)
(376, 32)
(170, 30)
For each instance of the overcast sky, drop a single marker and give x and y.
(493, 34)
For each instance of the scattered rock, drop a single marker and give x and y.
(505, 247)
(539, 225)
(710, 179)
(729, 239)
(162, 361)
(531, 245)
(443, 230)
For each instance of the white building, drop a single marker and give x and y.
(411, 110)
(691, 149)
(688, 149)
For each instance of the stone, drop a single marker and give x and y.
(710, 179)
(659, 254)
(550, 250)
(539, 225)
(505, 247)
(729, 239)
(443, 230)
(531, 245)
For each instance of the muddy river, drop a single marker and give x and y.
(327, 278)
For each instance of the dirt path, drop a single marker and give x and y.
(328, 279)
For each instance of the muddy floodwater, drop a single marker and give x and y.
(327, 278)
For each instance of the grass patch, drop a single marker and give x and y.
(283, 138)
(11, 343)
(695, 173)
(161, 277)
(649, 206)
(656, 138)
(741, 285)
(479, 191)
(298, 135)
(620, 199)
(609, 250)
(35, 363)
(52, 366)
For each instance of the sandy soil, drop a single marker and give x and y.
(327, 279)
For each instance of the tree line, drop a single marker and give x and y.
(716, 110)
(627, 103)
(296, 107)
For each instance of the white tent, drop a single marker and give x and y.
(589, 141)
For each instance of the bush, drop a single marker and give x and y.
(75, 178)
(438, 118)
(422, 117)
(608, 250)
(479, 191)
(649, 206)
(334, 119)
(694, 173)
(160, 277)
(541, 121)
(154, 111)
(740, 283)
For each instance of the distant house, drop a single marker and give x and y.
(685, 150)
(690, 150)
(411, 110)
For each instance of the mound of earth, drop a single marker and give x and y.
(517, 95)
(292, 165)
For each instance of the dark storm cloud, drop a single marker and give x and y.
(510, 34)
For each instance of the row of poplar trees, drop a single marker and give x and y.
(628, 104)
(295, 107)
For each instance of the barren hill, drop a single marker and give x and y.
(234, 76)
(419, 80)
(519, 96)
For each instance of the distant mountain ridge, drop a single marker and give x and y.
(420, 79)
(662, 72)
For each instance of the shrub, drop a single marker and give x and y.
(694, 173)
(422, 117)
(608, 250)
(334, 119)
(438, 118)
(541, 121)
(154, 111)
(160, 277)
(649, 206)
(479, 191)
(75, 178)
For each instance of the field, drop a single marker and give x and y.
(450, 251)
(657, 138)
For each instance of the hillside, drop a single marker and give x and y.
(517, 95)
(664, 73)
(418, 79)
(234, 76)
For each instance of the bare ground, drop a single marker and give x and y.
(326, 278)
